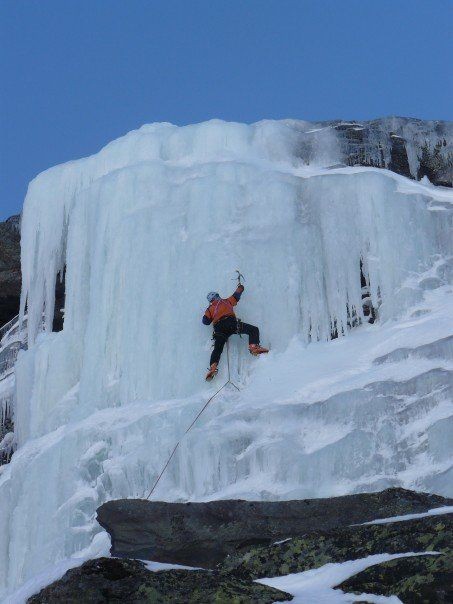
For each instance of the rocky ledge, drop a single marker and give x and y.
(202, 534)
(109, 580)
(238, 542)
(417, 580)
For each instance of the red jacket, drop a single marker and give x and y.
(222, 307)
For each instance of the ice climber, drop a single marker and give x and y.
(220, 312)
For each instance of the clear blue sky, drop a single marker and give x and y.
(76, 74)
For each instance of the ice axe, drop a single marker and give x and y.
(239, 276)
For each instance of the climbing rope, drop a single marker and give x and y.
(194, 421)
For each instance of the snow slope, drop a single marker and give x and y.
(146, 228)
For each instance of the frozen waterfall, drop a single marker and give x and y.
(144, 229)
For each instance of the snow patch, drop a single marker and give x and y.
(446, 509)
(162, 566)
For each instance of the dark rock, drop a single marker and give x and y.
(179, 532)
(398, 156)
(353, 141)
(435, 163)
(407, 146)
(415, 580)
(60, 290)
(202, 534)
(11, 277)
(14, 222)
(109, 580)
(316, 548)
(6, 428)
(10, 274)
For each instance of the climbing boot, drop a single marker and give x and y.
(212, 372)
(256, 349)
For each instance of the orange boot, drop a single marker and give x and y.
(212, 372)
(256, 349)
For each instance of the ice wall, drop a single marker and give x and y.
(166, 214)
(145, 229)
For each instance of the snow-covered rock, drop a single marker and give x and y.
(236, 540)
(408, 146)
(145, 229)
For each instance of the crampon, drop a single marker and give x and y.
(256, 349)
(212, 372)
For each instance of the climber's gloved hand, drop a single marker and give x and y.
(240, 288)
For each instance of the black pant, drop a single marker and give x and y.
(228, 327)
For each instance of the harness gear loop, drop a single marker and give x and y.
(193, 422)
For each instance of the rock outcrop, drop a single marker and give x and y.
(241, 536)
(11, 278)
(415, 580)
(407, 146)
(316, 548)
(109, 580)
(10, 275)
(203, 534)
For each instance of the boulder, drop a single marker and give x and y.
(109, 580)
(314, 549)
(203, 534)
(414, 580)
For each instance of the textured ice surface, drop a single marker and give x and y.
(145, 229)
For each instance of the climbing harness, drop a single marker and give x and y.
(220, 334)
(194, 421)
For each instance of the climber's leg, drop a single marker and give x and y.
(252, 332)
(220, 339)
(254, 338)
